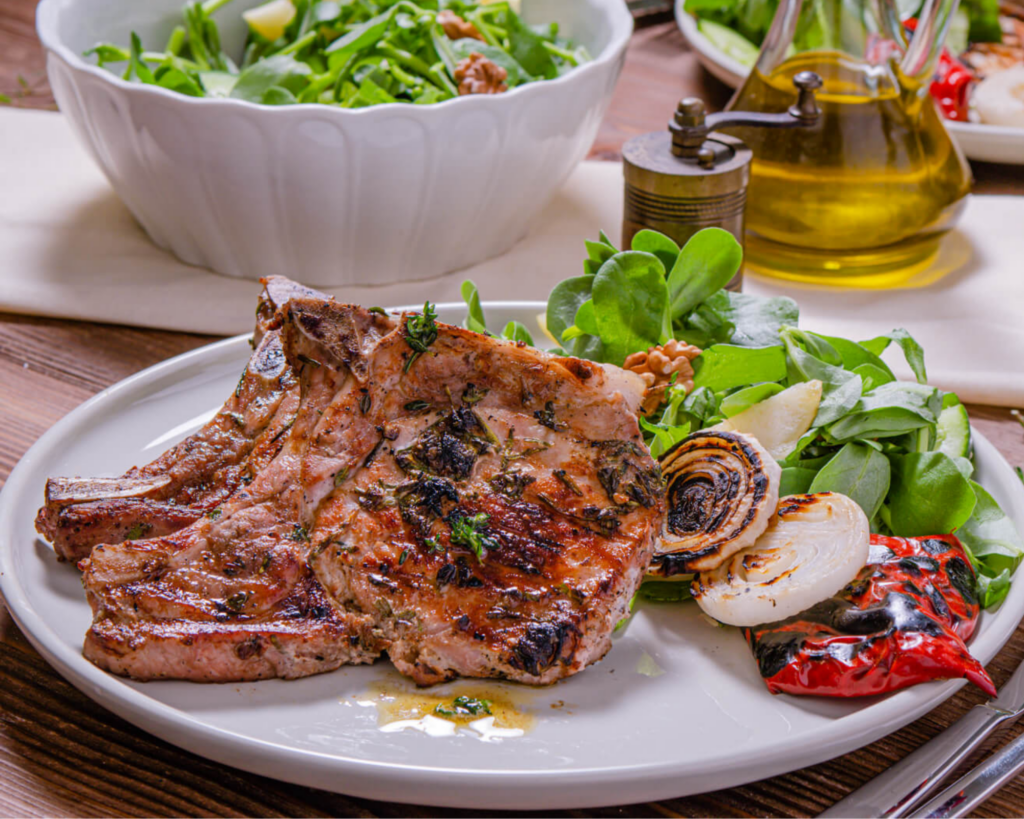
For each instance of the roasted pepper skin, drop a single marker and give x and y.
(902, 621)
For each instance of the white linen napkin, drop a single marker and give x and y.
(70, 249)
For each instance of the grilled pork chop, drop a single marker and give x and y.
(482, 509)
(195, 476)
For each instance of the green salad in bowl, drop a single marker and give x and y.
(351, 54)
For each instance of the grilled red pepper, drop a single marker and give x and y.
(902, 621)
(952, 82)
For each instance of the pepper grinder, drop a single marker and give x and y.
(682, 180)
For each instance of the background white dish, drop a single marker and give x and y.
(699, 719)
(986, 143)
(332, 196)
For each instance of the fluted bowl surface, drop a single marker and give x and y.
(327, 195)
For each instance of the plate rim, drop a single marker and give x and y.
(418, 783)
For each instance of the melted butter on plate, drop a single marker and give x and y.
(488, 712)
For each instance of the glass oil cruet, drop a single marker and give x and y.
(863, 196)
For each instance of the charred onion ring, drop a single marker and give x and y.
(722, 489)
(813, 547)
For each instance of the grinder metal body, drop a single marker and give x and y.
(686, 178)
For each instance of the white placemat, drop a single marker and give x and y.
(69, 248)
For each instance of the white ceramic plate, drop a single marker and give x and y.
(985, 143)
(677, 706)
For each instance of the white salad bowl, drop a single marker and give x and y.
(327, 195)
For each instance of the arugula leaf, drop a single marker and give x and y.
(276, 95)
(889, 410)
(514, 331)
(631, 303)
(858, 471)
(665, 591)
(650, 241)
(872, 376)
(841, 389)
(360, 37)
(993, 590)
(528, 49)
(928, 495)
(853, 355)
(912, 351)
(107, 53)
(664, 436)
(586, 319)
(737, 402)
(756, 320)
(597, 254)
(707, 263)
(475, 320)
(175, 79)
(796, 480)
(137, 68)
(726, 366)
(260, 77)
(990, 536)
(564, 302)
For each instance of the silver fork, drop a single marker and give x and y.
(903, 786)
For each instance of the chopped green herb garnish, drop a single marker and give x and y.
(379, 310)
(420, 332)
(403, 557)
(213, 514)
(340, 476)
(236, 602)
(364, 403)
(417, 406)
(471, 533)
(546, 417)
(570, 484)
(471, 395)
(465, 707)
(299, 534)
(305, 359)
(138, 530)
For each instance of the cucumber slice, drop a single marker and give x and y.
(954, 432)
(725, 39)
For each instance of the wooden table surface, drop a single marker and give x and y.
(63, 755)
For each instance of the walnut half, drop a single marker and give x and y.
(478, 75)
(657, 366)
(455, 28)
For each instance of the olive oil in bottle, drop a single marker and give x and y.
(864, 195)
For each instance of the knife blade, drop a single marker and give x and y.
(977, 785)
(895, 792)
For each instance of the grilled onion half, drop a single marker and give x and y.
(813, 547)
(722, 489)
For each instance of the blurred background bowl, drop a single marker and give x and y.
(327, 195)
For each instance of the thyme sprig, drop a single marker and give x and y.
(420, 332)
(471, 533)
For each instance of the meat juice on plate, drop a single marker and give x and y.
(488, 712)
(870, 189)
